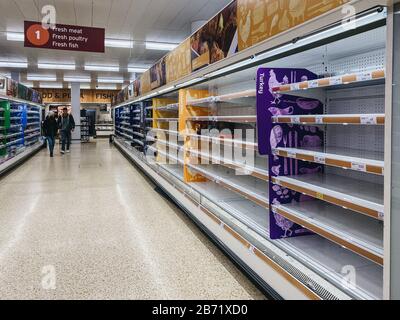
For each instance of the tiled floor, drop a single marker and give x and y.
(89, 226)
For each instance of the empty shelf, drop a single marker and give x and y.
(240, 184)
(222, 98)
(125, 135)
(357, 233)
(169, 107)
(138, 134)
(359, 196)
(246, 170)
(166, 119)
(246, 211)
(358, 160)
(166, 155)
(233, 119)
(138, 142)
(126, 130)
(345, 119)
(170, 144)
(217, 140)
(355, 78)
(164, 131)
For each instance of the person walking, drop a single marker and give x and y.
(50, 128)
(66, 125)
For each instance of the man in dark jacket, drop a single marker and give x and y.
(50, 128)
(66, 125)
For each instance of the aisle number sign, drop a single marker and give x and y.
(64, 37)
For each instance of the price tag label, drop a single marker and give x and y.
(275, 152)
(365, 76)
(381, 215)
(252, 248)
(320, 159)
(335, 81)
(295, 86)
(362, 167)
(313, 84)
(296, 120)
(274, 209)
(368, 120)
(320, 196)
(319, 120)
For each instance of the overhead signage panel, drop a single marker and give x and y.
(64, 37)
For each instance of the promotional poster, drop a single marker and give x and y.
(178, 62)
(216, 40)
(259, 20)
(158, 75)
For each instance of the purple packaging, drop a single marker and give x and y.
(270, 136)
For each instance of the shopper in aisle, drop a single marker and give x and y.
(67, 126)
(50, 128)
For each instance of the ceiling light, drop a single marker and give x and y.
(83, 86)
(15, 36)
(13, 64)
(137, 69)
(50, 85)
(77, 79)
(52, 66)
(118, 43)
(160, 46)
(41, 77)
(107, 87)
(101, 68)
(110, 80)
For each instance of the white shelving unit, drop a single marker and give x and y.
(247, 187)
(233, 119)
(357, 233)
(339, 198)
(344, 119)
(360, 196)
(358, 160)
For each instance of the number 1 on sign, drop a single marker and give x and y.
(37, 35)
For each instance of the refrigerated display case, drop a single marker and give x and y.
(280, 157)
(20, 131)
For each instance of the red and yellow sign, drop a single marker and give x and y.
(64, 37)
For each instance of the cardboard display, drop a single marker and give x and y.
(272, 136)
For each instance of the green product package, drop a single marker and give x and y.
(4, 124)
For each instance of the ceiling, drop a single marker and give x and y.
(166, 21)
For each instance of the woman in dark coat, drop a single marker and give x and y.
(50, 128)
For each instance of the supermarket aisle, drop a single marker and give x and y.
(89, 226)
